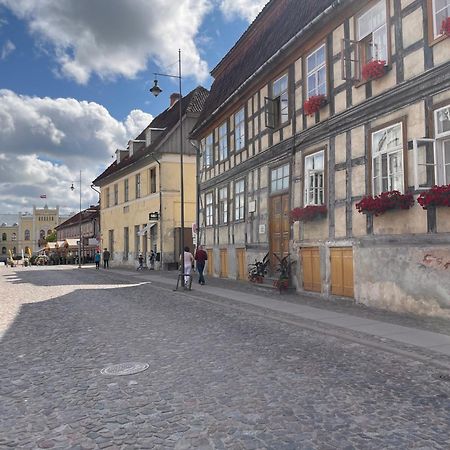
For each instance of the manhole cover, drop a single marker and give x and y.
(125, 368)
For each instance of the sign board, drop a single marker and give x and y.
(194, 238)
(252, 206)
(153, 216)
(262, 229)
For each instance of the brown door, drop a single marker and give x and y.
(223, 263)
(210, 262)
(240, 256)
(311, 269)
(342, 271)
(279, 228)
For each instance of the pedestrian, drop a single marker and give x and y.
(97, 258)
(188, 262)
(141, 262)
(201, 257)
(106, 256)
(152, 258)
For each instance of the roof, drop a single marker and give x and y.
(86, 216)
(278, 22)
(168, 119)
(9, 219)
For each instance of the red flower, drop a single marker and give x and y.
(445, 27)
(379, 204)
(436, 196)
(313, 104)
(308, 213)
(373, 69)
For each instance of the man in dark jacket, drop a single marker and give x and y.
(201, 257)
(106, 256)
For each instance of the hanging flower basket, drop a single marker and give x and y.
(373, 69)
(436, 196)
(314, 103)
(308, 213)
(386, 201)
(445, 27)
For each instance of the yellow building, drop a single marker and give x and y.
(140, 191)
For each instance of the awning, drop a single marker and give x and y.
(146, 228)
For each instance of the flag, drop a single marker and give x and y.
(43, 196)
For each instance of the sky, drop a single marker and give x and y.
(75, 78)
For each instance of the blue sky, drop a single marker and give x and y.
(74, 81)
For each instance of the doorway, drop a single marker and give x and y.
(279, 229)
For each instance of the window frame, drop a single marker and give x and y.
(208, 150)
(272, 106)
(316, 70)
(306, 178)
(209, 209)
(433, 36)
(442, 166)
(137, 185)
(223, 205)
(126, 190)
(403, 153)
(239, 201)
(116, 194)
(241, 125)
(274, 170)
(107, 197)
(224, 151)
(152, 180)
(27, 235)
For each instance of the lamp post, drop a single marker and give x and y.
(156, 90)
(72, 188)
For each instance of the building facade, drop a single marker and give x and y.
(140, 191)
(323, 104)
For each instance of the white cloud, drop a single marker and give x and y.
(7, 49)
(245, 9)
(115, 37)
(44, 142)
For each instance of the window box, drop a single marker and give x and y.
(373, 69)
(445, 27)
(308, 213)
(314, 103)
(386, 201)
(436, 196)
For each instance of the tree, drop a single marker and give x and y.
(51, 237)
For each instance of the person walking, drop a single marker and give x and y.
(141, 261)
(97, 258)
(188, 262)
(106, 256)
(201, 257)
(152, 258)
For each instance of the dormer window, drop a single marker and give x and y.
(277, 107)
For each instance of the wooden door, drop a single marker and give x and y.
(210, 262)
(342, 271)
(241, 266)
(279, 228)
(223, 263)
(311, 269)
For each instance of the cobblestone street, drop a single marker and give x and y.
(218, 377)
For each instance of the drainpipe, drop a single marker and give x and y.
(197, 188)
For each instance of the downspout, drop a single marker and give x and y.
(271, 59)
(197, 188)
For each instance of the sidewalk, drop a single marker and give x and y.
(429, 334)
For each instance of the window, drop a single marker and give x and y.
(126, 243)
(239, 130)
(223, 205)
(314, 179)
(111, 242)
(316, 72)
(107, 198)
(387, 159)
(136, 241)
(116, 194)
(223, 142)
(126, 190)
(371, 32)
(279, 178)
(27, 235)
(277, 107)
(441, 10)
(138, 185)
(239, 200)
(442, 124)
(4, 237)
(209, 218)
(207, 147)
(152, 181)
(3, 250)
(42, 234)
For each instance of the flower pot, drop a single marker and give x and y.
(373, 70)
(313, 104)
(445, 27)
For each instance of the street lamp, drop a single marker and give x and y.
(72, 188)
(156, 90)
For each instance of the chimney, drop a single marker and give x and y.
(173, 99)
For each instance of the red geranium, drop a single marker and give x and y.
(445, 27)
(373, 69)
(314, 103)
(436, 196)
(384, 202)
(308, 213)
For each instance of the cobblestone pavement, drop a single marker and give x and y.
(217, 377)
